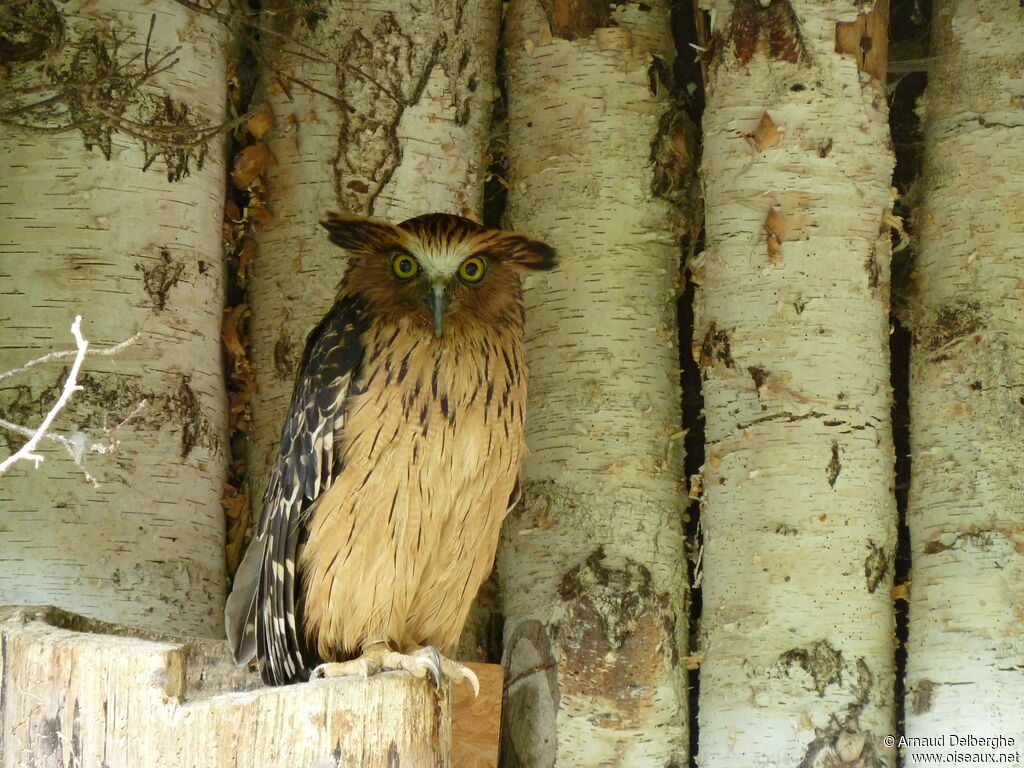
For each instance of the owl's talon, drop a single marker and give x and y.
(442, 665)
(466, 674)
(419, 663)
(432, 660)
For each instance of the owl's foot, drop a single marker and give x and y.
(380, 658)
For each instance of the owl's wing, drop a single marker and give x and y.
(261, 617)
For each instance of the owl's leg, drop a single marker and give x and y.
(379, 658)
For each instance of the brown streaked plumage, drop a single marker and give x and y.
(400, 451)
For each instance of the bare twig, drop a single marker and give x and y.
(79, 443)
(64, 354)
(26, 451)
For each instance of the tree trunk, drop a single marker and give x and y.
(112, 196)
(381, 112)
(592, 566)
(791, 332)
(965, 669)
(88, 696)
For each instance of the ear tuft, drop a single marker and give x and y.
(525, 254)
(360, 234)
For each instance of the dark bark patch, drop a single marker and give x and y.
(284, 355)
(102, 86)
(773, 30)
(759, 375)
(843, 742)
(117, 397)
(834, 466)
(872, 268)
(159, 278)
(978, 539)
(819, 660)
(30, 33)
(49, 735)
(312, 15)
(673, 153)
(921, 698)
(934, 547)
(574, 19)
(613, 633)
(715, 346)
(76, 733)
(949, 323)
(20, 405)
(876, 565)
(195, 427)
(105, 401)
(669, 632)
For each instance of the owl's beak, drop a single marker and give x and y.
(438, 301)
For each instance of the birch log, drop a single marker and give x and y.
(112, 197)
(382, 110)
(591, 563)
(85, 695)
(965, 669)
(791, 332)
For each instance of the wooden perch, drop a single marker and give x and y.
(74, 692)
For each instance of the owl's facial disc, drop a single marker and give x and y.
(438, 300)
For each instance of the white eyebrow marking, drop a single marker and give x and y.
(441, 259)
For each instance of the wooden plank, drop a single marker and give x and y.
(476, 722)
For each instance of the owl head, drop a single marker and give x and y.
(442, 271)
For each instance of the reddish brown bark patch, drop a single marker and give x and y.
(613, 633)
(572, 19)
(773, 30)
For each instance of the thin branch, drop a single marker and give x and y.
(26, 451)
(63, 354)
(79, 443)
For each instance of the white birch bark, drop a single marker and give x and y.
(591, 563)
(114, 240)
(791, 331)
(382, 109)
(965, 670)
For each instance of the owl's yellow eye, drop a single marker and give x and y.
(404, 266)
(472, 269)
